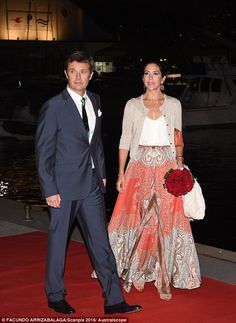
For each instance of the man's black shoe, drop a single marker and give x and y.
(121, 308)
(61, 307)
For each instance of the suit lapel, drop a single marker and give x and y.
(72, 109)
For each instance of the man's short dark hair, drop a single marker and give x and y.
(80, 57)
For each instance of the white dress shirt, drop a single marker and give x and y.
(88, 107)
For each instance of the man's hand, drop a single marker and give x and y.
(54, 201)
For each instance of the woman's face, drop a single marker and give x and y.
(152, 77)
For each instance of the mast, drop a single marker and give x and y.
(29, 17)
(7, 20)
(47, 20)
(35, 16)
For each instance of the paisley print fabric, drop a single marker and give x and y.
(149, 234)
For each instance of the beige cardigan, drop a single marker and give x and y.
(133, 119)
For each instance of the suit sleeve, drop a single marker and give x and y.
(46, 140)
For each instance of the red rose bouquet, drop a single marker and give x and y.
(178, 181)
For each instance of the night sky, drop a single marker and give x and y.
(192, 25)
(182, 14)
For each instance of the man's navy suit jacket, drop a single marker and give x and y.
(63, 153)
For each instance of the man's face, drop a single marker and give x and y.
(78, 75)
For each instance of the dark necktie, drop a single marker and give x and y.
(84, 115)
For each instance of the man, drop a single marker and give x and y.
(70, 163)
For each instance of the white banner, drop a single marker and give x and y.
(17, 20)
(43, 21)
(23, 20)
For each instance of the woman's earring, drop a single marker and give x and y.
(144, 88)
(162, 87)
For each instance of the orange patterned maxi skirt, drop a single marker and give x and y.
(149, 234)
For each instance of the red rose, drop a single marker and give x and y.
(178, 182)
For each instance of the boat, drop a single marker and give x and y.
(16, 117)
(207, 98)
(19, 124)
(18, 129)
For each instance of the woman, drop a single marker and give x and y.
(150, 236)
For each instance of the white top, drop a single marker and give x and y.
(154, 132)
(88, 107)
(132, 124)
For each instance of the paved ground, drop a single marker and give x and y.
(14, 219)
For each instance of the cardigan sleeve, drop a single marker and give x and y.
(127, 123)
(178, 115)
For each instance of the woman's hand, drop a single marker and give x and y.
(180, 162)
(180, 165)
(120, 184)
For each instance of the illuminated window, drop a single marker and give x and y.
(104, 67)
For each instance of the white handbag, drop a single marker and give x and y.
(194, 203)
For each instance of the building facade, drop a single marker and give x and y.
(47, 20)
(35, 35)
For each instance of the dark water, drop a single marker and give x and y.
(209, 153)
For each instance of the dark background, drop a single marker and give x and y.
(176, 30)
